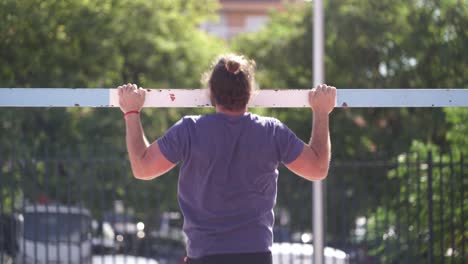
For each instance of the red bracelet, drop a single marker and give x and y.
(131, 112)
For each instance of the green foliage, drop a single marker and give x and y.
(156, 43)
(97, 44)
(457, 118)
(369, 44)
(417, 176)
(449, 199)
(104, 43)
(83, 43)
(382, 50)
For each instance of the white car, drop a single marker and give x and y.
(103, 237)
(122, 259)
(298, 253)
(54, 234)
(5, 259)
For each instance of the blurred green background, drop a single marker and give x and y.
(161, 44)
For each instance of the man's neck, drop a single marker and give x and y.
(220, 109)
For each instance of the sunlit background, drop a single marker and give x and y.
(397, 191)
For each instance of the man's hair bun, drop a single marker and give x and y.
(233, 66)
(231, 81)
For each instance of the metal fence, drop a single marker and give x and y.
(72, 208)
(409, 210)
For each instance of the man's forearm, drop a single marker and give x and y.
(136, 141)
(320, 140)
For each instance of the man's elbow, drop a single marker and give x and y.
(143, 175)
(318, 174)
(319, 167)
(321, 175)
(138, 175)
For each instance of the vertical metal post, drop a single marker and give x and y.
(430, 222)
(317, 197)
(452, 207)
(418, 207)
(462, 216)
(408, 241)
(1, 210)
(441, 209)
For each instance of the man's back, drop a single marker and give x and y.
(227, 184)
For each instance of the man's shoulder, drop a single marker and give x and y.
(265, 120)
(191, 118)
(197, 120)
(186, 121)
(208, 118)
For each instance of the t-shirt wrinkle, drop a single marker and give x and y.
(227, 181)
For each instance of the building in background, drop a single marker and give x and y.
(238, 16)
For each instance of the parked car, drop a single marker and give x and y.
(122, 259)
(54, 234)
(167, 243)
(103, 238)
(171, 226)
(128, 231)
(297, 253)
(8, 238)
(165, 250)
(5, 258)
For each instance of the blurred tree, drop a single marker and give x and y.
(387, 49)
(403, 230)
(369, 44)
(105, 43)
(97, 44)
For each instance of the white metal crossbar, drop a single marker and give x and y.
(81, 97)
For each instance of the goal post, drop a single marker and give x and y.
(278, 98)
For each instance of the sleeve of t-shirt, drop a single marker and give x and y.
(289, 146)
(173, 144)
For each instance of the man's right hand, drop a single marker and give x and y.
(322, 99)
(131, 98)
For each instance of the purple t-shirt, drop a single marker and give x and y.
(227, 182)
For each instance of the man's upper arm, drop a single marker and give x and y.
(306, 165)
(154, 162)
(166, 152)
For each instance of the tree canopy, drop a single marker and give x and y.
(401, 45)
(97, 44)
(158, 44)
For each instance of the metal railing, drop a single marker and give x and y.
(411, 209)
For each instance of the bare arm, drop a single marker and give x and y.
(146, 160)
(313, 162)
